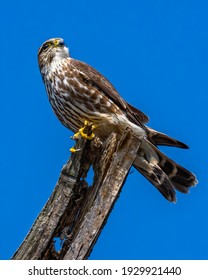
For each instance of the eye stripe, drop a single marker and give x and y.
(45, 46)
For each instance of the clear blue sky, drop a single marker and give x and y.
(155, 54)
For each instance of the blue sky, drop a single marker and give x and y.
(155, 54)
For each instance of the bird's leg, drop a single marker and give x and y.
(85, 132)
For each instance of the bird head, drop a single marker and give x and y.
(52, 50)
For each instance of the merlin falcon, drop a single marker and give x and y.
(79, 94)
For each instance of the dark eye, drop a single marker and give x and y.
(45, 46)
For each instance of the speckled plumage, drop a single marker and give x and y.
(78, 93)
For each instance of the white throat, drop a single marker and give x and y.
(60, 54)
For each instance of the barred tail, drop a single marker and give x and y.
(165, 174)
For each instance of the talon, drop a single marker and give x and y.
(88, 127)
(76, 135)
(74, 150)
(85, 136)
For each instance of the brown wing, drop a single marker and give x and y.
(93, 77)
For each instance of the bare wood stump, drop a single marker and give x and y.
(76, 213)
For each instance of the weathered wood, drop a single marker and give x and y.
(76, 213)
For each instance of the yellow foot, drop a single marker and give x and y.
(85, 132)
(73, 150)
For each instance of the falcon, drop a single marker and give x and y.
(79, 94)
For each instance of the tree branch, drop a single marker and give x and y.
(76, 213)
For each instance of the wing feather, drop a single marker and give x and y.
(92, 76)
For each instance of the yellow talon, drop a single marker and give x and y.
(88, 127)
(76, 135)
(73, 150)
(85, 136)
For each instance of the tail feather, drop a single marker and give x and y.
(157, 177)
(161, 139)
(181, 178)
(165, 174)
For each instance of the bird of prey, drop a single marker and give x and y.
(79, 93)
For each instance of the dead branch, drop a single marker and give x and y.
(75, 212)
